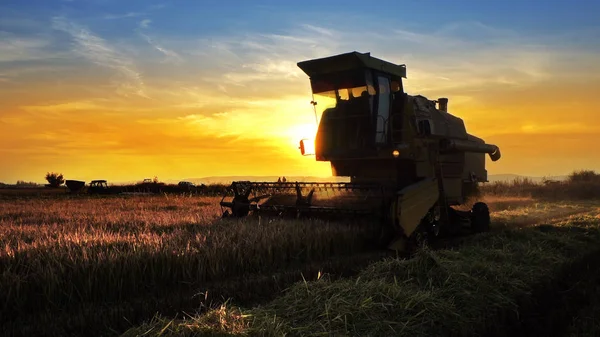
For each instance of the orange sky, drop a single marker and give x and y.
(109, 109)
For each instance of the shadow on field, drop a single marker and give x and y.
(550, 309)
(526, 282)
(113, 317)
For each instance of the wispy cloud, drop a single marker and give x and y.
(563, 128)
(145, 23)
(144, 12)
(265, 62)
(123, 16)
(63, 107)
(171, 56)
(247, 67)
(462, 56)
(21, 48)
(157, 6)
(27, 69)
(247, 84)
(319, 30)
(100, 52)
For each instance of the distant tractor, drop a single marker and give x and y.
(98, 187)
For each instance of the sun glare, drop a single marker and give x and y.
(303, 131)
(309, 146)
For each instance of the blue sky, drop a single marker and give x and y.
(182, 30)
(194, 17)
(227, 70)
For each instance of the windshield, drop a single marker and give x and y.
(330, 90)
(323, 101)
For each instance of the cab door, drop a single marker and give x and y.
(383, 109)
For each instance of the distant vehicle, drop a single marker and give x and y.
(187, 185)
(75, 185)
(98, 187)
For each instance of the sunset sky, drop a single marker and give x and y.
(126, 90)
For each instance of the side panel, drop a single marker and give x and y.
(414, 202)
(453, 189)
(452, 169)
(475, 167)
(475, 163)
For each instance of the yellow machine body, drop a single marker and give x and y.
(418, 156)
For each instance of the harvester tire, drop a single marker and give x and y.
(480, 218)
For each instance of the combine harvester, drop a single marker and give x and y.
(408, 159)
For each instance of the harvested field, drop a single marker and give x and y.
(81, 265)
(130, 257)
(510, 282)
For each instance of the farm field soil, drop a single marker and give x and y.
(83, 265)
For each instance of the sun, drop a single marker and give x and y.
(306, 131)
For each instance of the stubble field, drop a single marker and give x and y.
(166, 264)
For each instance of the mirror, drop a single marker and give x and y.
(306, 147)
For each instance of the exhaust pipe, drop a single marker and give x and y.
(443, 104)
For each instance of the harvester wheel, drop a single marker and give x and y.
(480, 218)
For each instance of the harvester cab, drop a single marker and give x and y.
(408, 159)
(354, 96)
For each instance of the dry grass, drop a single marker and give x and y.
(536, 212)
(580, 185)
(479, 289)
(222, 321)
(518, 211)
(68, 254)
(88, 264)
(585, 323)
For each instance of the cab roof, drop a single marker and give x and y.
(348, 61)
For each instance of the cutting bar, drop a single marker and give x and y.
(302, 198)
